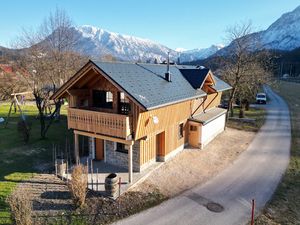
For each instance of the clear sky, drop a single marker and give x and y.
(175, 23)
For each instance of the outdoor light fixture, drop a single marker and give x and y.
(155, 119)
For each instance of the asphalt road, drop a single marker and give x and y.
(254, 175)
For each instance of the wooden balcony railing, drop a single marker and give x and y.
(110, 124)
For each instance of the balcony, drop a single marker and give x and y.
(110, 124)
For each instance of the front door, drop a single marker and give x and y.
(99, 147)
(194, 131)
(160, 145)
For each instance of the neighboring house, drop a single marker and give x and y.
(134, 114)
(5, 68)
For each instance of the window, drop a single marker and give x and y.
(109, 97)
(122, 97)
(124, 105)
(193, 128)
(102, 99)
(180, 131)
(122, 148)
(84, 103)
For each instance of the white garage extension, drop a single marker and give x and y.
(204, 127)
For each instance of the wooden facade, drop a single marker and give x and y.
(159, 132)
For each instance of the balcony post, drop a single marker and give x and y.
(76, 148)
(130, 170)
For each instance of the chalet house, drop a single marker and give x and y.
(134, 114)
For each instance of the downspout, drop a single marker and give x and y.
(212, 99)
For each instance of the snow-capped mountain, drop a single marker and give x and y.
(97, 43)
(200, 53)
(283, 34)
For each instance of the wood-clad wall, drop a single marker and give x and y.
(197, 105)
(134, 114)
(147, 149)
(167, 116)
(173, 141)
(213, 100)
(169, 119)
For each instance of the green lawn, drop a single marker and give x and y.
(284, 208)
(257, 114)
(19, 161)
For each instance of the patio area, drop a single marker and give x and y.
(99, 170)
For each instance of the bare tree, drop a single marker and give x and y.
(245, 66)
(6, 86)
(11, 82)
(49, 60)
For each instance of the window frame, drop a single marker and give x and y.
(180, 130)
(121, 149)
(193, 128)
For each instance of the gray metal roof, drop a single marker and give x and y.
(206, 117)
(146, 83)
(196, 75)
(221, 85)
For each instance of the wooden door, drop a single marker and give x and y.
(194, 131)
(160, 144)
(99, 149)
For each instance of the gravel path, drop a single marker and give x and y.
(194, 166)
(226, 198)
(49, 194)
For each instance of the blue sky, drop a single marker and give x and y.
(179, 23)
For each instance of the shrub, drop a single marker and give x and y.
(78, 185)
(20, 207)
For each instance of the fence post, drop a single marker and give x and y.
(61, 169)
(55, 167)
(120, 186)
(87, 172)
(252, 212)
(97, 180)
(119, 200)
(67, 171)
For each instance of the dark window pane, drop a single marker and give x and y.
(102, 99)
(121, 148)
(180, 131)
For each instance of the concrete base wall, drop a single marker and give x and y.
(171, 154)
(211, 130)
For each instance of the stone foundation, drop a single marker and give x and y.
(120, 158)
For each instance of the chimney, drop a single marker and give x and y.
(168, 74)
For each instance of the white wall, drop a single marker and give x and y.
(209, 131)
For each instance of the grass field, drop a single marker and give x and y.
(284, 208)
(258, 116)
(19, 161)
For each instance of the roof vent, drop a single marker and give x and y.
(168, 73)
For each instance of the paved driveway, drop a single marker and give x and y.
(254, 175)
